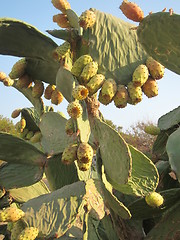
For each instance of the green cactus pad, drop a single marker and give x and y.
(2, 192)
(144, 178)
(115, 47)
(19, 175)
(54, 138)
(16, 150)
(59, 174)
(5, 201)
(159, 35)
(17, 39)
(170, 119)
(24, 194)
(173, 147)
(53, 213)
(32, 118)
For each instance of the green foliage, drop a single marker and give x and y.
(7, 126)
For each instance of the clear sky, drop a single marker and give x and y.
(40, 12)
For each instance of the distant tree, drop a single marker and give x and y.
(7, 125)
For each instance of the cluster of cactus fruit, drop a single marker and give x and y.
(77, 178)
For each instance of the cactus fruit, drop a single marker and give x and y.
(61, 51)
(69, 154)
(85, 153)
(29, 135)
(69, 127)
(18, 69)
(95, 83)
(87, 19)
(62, 5)
(29, 233)
(132, 11)
(2, 76)
(89, 71)
(135, 93)
(140, 75)
(150, 88)
(74, 109)
(155, 68)
(79, 64)
(107, 92)
(152, 129)
(80, 92)
(84, 166)
(11, 214)
(56, 97)
(22, 124)
(24, 81)
(48, 91)
(154, 199)
(36, 137)
(24, 133)
(18, 227)
(61, 20)
(38, 89)
(8, 82)
(16, 113)
(121, 97)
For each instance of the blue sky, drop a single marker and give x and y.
(39, 13)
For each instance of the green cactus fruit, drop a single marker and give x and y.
(24, 133)
(74, 109)
(154, 199)
(8, 82)
(80, 92)
(69, 127)
(88, 72)
(121, 97)
(62, 5)
(24, 81)
(36, 137)
(69, 154)
(61, 51)
(95, 83)
(152, 129)
(140, 75)
(132, 11)
(48, 91)
(79, 64)
(2, 76)
(37, 89)
(29, 135)
(16, 113)
(85, 153)
(135, 93)
(11, 214)
(18, 227)
(18, 69)
(87, 19)
(150, 88)
(155, 68)
(61, 20)
(84, 166)
(108, 91)
(29, 233)
(56, 97)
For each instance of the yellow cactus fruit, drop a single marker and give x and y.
(80, 92)
(38, 89)
(152, 130)
(79, 64)
(2, 76)
(140, 75)
(108, 91)
(61, 51)
(155, 68)
(121, 97)
(48, 91)
(69, 154)
(24, 81)
(74, 109)
(85, 153)
(154, 199)
(11, 214)
(135, 93)
(69, 127)
(88, 72)
(150, 88)
(84, 166)
(56, 97)
(87, 19)
(22, 124)
(18, 227)
(61, 20)
(8, 82)
(95, 83)
(29, 233)
(16, 113)
(18, 69)
(62, 5)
